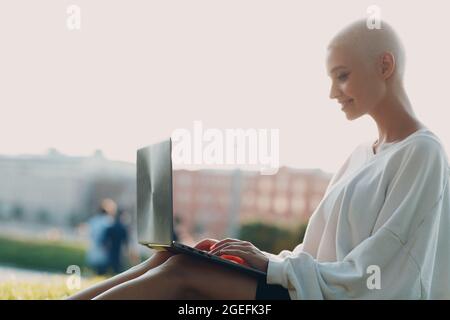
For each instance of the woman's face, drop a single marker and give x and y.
(354, 81)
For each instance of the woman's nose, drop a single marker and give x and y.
(334, 92)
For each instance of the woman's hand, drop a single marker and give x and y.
(205, 244)
(243, 249)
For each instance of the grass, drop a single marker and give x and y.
(48, 288)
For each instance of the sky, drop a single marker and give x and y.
(138, 70)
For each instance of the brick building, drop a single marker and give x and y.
(215, 203)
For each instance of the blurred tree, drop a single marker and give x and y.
(75, 218)
(39, 254)
(272, 238)
(18, 213)
(43, 217)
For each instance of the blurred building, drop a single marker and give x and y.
(62, 190)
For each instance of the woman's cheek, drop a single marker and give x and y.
(346, 89)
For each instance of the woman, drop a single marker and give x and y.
(380, 231)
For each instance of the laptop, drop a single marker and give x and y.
(155, 206)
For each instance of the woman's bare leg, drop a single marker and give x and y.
(184, 277)
(155, 260)
(157, 283)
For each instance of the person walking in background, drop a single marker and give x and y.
(97, 255)
(115, 241)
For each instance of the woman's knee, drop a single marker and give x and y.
(178, 269)
(194, 278)
(176, 263)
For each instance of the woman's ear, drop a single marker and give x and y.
(387, 64)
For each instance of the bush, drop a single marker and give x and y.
(272, 238)
(53, 256)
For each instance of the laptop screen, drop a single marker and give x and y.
(154, 194)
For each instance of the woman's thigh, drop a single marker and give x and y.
(207, 280)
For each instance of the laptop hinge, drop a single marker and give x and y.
(157, 247)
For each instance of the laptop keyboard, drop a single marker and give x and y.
(197, 250)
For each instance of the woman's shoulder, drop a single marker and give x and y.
(420, 149)
(424, 143)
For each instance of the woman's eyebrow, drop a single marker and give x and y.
(337, 68)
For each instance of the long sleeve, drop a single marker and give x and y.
(413, 183)
(284, 254)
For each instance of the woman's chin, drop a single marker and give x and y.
(351, 115)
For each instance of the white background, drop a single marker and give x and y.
(137, 70)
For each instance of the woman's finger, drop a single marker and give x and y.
(222, 244)
(252, 259)
(205, 244)
(236, 252)
(233, 247)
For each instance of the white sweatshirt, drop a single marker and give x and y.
(381, 231)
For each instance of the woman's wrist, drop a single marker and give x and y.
(154, 261)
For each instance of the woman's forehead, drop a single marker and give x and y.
(341, 57)
(337, 58)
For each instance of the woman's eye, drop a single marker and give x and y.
(343, 77)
